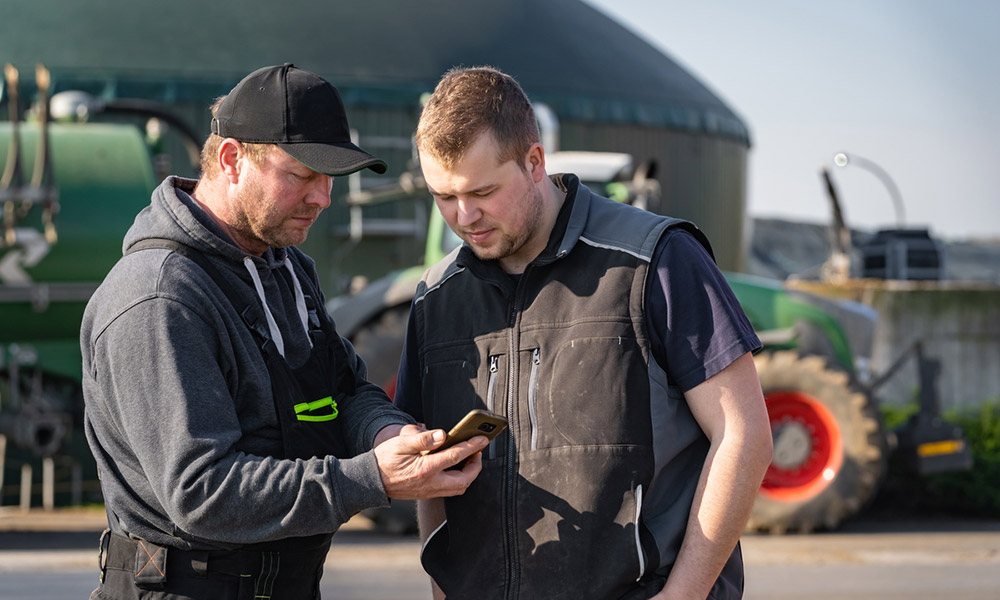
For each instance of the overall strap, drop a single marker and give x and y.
(248, 311)
(321, 320)
(251, 314)
(165, 244)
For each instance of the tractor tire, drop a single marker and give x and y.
(829, 446)
(380, 343)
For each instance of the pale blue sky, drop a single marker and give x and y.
(912, 85)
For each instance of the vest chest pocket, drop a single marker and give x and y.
(453, 385)
(596, 393)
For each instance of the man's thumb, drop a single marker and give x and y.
(429, 440)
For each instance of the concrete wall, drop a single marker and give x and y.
(958, 323)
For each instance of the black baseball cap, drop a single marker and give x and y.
(299, 111)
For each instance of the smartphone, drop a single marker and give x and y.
(476, 422)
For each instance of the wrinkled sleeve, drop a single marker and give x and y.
(160, 370)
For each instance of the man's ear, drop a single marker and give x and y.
(230, 153)
(534, 162)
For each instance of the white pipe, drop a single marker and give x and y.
(548, 127)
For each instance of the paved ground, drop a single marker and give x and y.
(52, 557)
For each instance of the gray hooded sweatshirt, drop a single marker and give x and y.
(179, 409)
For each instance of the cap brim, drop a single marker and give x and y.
(334, 159)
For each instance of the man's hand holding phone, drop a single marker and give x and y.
(475, 423)
(418, 464)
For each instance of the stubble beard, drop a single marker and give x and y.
(511, 242)
(257, 220)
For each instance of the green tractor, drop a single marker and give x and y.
(830, 446)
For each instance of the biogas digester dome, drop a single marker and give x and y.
(610, 90)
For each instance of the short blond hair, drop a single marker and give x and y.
(468, 102)
(257, 153)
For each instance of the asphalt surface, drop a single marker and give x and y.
(52, 556)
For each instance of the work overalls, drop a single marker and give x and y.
(306, 401)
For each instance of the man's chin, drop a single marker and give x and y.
(482, 252)
(496, 250)
(288, 239)
(485, 254)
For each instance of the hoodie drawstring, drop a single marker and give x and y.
(300, 303)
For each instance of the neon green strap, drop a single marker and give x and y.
(315, 405)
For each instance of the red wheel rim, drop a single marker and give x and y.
(808, 447)
(390, 387)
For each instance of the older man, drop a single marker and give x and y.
(233, 427)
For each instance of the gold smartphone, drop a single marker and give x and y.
(476, 422)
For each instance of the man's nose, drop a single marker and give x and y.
(467, 212)
(320, 190)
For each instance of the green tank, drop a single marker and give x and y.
(61, 231)
(101, 175)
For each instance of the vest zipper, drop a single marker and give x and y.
(532, 410)
(638, 542)
(513, 561)
(491, 396)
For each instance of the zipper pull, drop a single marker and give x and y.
(535, 357)
(494, 363)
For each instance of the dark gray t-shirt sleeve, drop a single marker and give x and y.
(696, 325)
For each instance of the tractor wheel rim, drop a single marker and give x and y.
(390, 387)
(808, 447)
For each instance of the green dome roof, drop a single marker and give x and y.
(378, 52)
